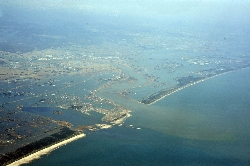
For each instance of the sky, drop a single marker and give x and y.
(228, 12)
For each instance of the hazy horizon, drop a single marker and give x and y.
(158, 81)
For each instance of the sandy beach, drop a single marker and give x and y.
(47, 150)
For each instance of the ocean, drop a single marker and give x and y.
(54, 55)
(210, 127)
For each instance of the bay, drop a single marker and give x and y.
(205, 124)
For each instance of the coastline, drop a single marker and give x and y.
(174, 90)
(47, 150)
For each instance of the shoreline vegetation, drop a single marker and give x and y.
(35, 150)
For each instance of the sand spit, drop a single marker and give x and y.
(47, 150)
(186, 86)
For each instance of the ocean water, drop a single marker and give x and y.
(210, 126)
(204, 124)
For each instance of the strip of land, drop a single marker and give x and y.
(42, 146)
(185, 82)
(47, 150)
